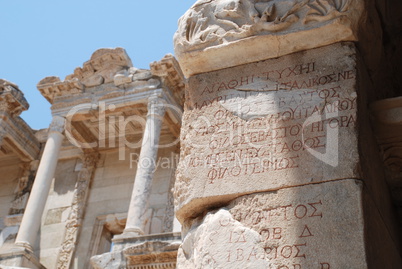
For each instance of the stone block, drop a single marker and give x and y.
(213, 35)
(55, 215)
(13, 220)
(268, 125)
(316, 226)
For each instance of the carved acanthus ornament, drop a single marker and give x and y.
(51, 87)
(75, 217)
(12, 100)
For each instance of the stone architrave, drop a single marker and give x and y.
(268, 125)
(76, 215)
(213, 35)
(37, 200)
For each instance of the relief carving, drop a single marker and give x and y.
(23, 189)
(77, 210)
(169, 216)
(218, 34)
(210, 23)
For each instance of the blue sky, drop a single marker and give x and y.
(51, 38)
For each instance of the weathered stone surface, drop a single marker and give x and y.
(217, 34)
(267, 125)
(211, 244)
(315, 226)
(12, 99)
(156, 251)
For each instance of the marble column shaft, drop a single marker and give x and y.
(146, 166)
(33, 212)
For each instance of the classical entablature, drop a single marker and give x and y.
(16, 137)
(108, 92)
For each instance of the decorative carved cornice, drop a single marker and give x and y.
(12, 99)
(169, 70)
(51, 87)
(25, 144)
(100, 69)
(75, 217)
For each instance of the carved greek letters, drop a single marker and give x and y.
(266, 119)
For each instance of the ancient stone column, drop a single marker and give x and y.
(36, 203)
(137, 212)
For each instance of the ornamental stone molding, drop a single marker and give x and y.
(76, 216)
(169, 70)
(221, 33)
(100, 69)
(12, 99)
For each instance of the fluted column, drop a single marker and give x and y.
(33, 212)
(146, 165)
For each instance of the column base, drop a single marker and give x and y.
(18, 256)
(130, 233)
(25, 245)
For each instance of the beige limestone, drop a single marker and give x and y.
(31, 220)
(268, 125)
(211, 244)
(139, 203)
(317, 226)
(222, 33)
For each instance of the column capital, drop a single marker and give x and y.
(156, 105)
(57, 124)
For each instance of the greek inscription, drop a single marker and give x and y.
(325, 265)
(306, 232)
(286, 252)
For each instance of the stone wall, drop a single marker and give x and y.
(106, 208)
(9, 178)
